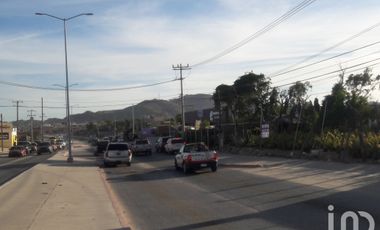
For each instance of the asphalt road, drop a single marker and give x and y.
(292, 194)
(11, 167)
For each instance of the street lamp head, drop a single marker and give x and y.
(39, 13)
(89, 14)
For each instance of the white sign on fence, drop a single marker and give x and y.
(264, 130)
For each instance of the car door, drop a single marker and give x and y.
(179, 156)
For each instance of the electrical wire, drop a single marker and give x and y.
(85, 90)
(326, 67)
(336, 71)
(258, 33)
(289, 68)
(326, 59)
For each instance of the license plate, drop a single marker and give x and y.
(203, 165)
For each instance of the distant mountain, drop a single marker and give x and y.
(150, 109)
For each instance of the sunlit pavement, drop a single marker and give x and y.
(273, 194)
(55, 194)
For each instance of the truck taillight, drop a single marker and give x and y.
(215, 156)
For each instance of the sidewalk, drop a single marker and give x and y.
(58, 195)
(4, 152)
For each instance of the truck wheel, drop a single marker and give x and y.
(214, 167)
(185, 168)
(176, 164)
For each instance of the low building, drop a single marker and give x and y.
(8, 136)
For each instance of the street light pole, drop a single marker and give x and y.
(70, 157)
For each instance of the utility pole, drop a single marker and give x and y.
(17, 106)
(180, 68)
(2, 134)
(31, 115)
(133, 121)
(323, 120)
(42, 119)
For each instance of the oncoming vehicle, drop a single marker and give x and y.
(174, 145)
(196, 156)
(27, 145)
(17, 151)
(101, 146)
(117, 153)
(44, 147)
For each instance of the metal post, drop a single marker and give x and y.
(296, 134)
(323, 120)
(182, 103)
(70, 157)
(2, 134)
(180, 68)
(68, 122)
(133, 121)
(261, 123)
(42, 119)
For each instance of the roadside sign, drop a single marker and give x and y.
(197, 124)
(265, 131)
(200, 113)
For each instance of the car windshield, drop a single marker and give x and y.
(178, 141)
(118, 147)
(195, 148)
(142, 142)
(44, 144)
(23, 143)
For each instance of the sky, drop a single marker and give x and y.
(135, 42)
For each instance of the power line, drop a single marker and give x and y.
(326, 67)
(258, 33)
(336, 71)
(286, 70)
(85, 90)
(326, 59)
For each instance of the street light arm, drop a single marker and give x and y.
(87, 14)
(49, 15)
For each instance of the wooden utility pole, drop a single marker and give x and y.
(2, 134)
(180, 68)
(31, 115)
(17, 107)
(42, 119)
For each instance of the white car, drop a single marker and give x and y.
(174, 145)
(196, 156)
(117, 153)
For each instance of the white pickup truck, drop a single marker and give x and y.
(142, 146)
(195, 156)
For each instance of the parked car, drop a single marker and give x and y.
(160, 144)
(17, 151)
(44, 147)
(101, 146)
(27, 145)
(117, 153)
(34, 147)
(196, 156)
(142, 146)
(173, 145)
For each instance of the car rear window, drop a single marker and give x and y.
(117, 147)
(178, 141)
(195, 148)
(142, 142)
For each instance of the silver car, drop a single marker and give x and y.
(117, 153)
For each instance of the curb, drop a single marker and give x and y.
(121, 213)
(233, 165)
